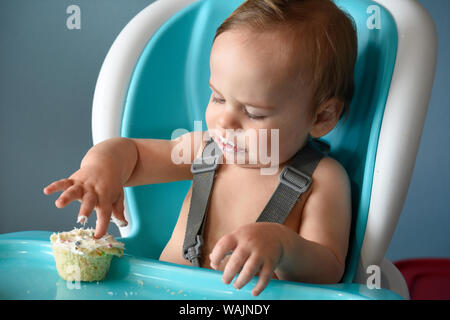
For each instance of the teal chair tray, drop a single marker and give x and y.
(28, 271)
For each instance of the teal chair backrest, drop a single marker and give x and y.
(169, 90)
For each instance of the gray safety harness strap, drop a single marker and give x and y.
(294, 180)
(204, 170)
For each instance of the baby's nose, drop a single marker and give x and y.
(229, 119)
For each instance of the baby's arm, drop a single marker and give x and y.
(114, 163)
(154, 163)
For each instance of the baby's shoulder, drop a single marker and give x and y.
(330, 174)
(328, 165)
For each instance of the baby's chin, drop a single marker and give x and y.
(262, 170)
(244, 162)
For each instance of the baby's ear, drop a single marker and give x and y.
(326, 117)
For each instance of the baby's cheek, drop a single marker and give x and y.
(210, 116)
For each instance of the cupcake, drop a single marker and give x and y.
(81, 257)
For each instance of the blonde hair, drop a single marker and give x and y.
(326, 32)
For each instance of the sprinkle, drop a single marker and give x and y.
(109, 245)
(78, 243)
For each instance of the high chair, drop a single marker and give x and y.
(154, 80)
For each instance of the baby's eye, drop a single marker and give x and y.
(254, 115)
(218, 100)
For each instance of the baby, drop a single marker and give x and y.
(276, 65)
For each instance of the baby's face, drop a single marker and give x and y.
(255, 86)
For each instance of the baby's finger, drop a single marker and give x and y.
(103, 217)
(72, 193)
(118, 216)
(251, 267)
(234, 265)
(264, 277)
(223, 246)
(59, 185)
(87, 206)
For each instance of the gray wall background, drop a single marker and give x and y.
(47, 81)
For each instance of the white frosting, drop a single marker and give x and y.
(82, 220)
(118, 223)
(82, 241)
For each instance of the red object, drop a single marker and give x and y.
(427, 279)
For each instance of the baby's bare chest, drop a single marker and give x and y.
(237, 198)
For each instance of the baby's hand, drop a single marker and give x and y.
(95, 188)
(256, 247)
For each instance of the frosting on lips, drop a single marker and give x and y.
(82, 241)
(227, 145)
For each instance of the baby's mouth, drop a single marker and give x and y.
(228, 146)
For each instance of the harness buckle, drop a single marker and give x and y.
(193, 253)
(204, 164)
(294, 179)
